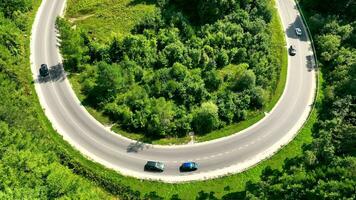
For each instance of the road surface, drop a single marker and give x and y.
(216, 158)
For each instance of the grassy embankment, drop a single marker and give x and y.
(104, 19)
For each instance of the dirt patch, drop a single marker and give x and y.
(74, 19)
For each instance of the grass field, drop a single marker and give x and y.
(105, 18)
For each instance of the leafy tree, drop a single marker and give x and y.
(227, 106)
(212, 80)
(329, 43)
(161, 117)
(9, 7)
(108, 82)
(223, 59)
(258, 97)
(246, 81)
(72, 46)
(205, 118)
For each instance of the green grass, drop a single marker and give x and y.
(130, 15)
(106, 18)
(252, 118)
(280, 52)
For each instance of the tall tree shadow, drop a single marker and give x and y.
(290, 31)
(137, 146)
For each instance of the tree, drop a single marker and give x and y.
(205, 118)
(160, 121)
(223, 59)
(72, 46)
(174, 52)
(329, 45)
(227, 107)
(9, 7)
(211, 10)
(258, 97)
(108, 83)
(179, 71)
(246, 81)
(212, 80)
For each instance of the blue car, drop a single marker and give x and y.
(188, 166)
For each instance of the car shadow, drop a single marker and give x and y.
(56, 74)
(152, 171)
(311, 65)
(186, 171)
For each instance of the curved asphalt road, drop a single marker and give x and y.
(216, 158)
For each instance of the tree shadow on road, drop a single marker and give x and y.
(291, 30)
(137, 146)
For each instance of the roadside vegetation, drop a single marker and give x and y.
(30, 167)
(188, 66)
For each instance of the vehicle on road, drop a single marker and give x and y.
(292, 50)
(298, 31)
(154, 166)
(188, 166)
(44, 70)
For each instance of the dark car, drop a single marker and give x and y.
(154, 166)
(44, 70)
(188, 166)
(292, 50)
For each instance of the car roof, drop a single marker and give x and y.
(151, 163)
(188, 164)
(154, 163)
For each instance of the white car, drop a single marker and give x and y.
(298, 31)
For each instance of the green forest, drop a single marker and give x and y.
(30, 163)
(35, 165)
(191, 66)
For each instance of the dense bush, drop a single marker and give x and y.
(175, 62)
